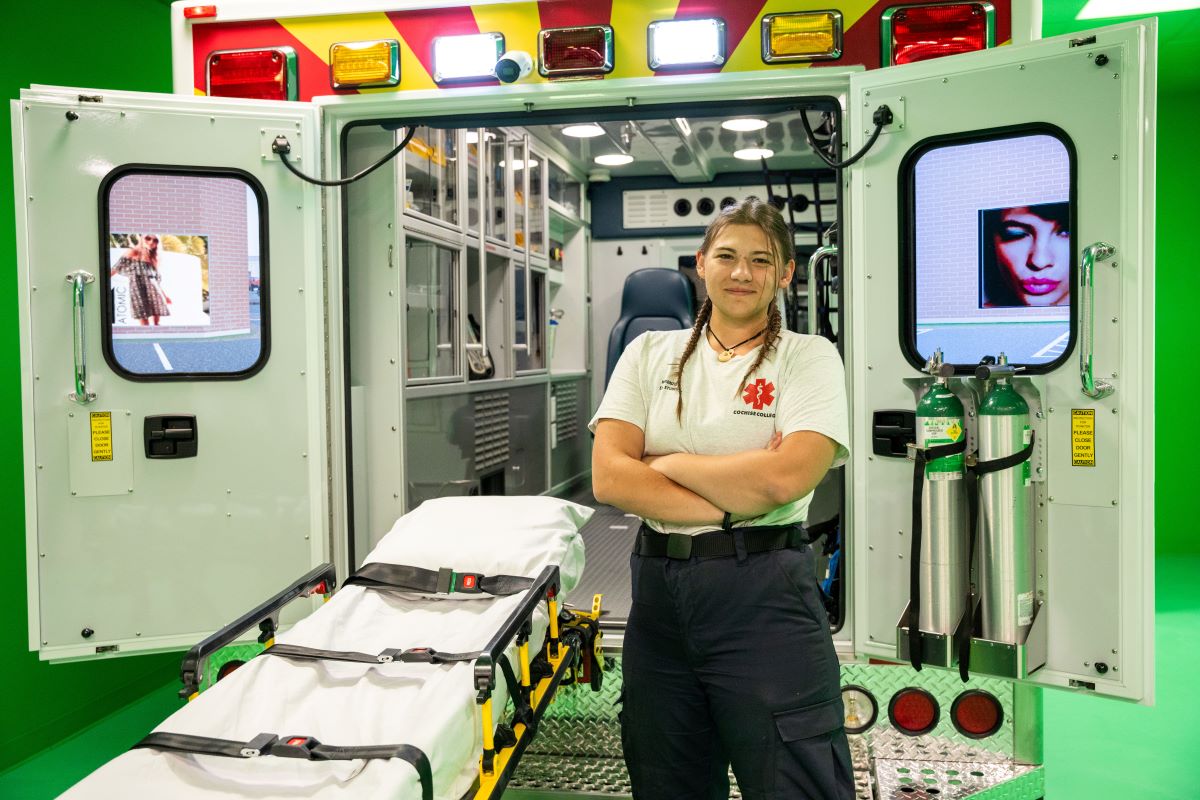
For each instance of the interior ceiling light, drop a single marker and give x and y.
(614, 159)
(753, 153)
(464, 58)
(1099, 9)
(686, 42)
(744, 124)
(518, 165)
(585, 131)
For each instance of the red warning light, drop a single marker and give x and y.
(914, 711)
(199, 12)
(919, 33)
(259, 74)
(586, 50)
(976, 714)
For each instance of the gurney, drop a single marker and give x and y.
(394, 686)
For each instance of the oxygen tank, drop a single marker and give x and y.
(1006, 541)
(940, 420)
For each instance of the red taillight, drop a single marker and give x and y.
(585, 50)
(199, 12)
(914, 711)
(259, 74)
(918, 33)
(976, 714)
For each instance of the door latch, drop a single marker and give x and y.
(171, 436)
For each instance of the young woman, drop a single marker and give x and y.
(1027, 256)
(716, 437)
(147, 301)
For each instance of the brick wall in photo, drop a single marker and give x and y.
(953, 184)
(190, 205)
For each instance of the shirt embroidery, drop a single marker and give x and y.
(759, 394)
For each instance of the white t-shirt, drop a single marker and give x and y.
(799, 387)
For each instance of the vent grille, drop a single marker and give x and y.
(566, 402)
(491, 430)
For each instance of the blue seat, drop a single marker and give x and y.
(653, 299)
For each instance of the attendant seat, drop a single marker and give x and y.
(653, 299)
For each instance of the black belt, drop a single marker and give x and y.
(716, 544)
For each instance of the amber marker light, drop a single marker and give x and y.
(804, 36)
(364, 65)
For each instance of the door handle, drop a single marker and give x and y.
(78, 279)
(1100, 251)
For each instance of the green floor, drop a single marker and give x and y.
(1094, 749)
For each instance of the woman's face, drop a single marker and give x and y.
(741, 274)
(1034, 257)
(151, 242)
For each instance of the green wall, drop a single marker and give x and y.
(124, 44)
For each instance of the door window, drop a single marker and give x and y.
(186, 271)
(990, 248)
(430, 288)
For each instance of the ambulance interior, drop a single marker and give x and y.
(548, 220)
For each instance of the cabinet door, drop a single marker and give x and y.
(174, 384)
(975, 224)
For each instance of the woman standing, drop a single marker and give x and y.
(147, 300)
(717, 437)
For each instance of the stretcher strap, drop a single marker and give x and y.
(974, 472)
(413, 655)
(302, 747)
(428, 581)
(921, 458)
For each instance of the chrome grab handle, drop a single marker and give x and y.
(78, 279)
(819, 255)
(1100, 251)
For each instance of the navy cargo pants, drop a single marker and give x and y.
(729, 663)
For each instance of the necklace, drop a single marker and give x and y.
(727, 352)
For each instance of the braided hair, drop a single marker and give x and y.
(750, 211)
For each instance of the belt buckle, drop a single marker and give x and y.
(679, 545)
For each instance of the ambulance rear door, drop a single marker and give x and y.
(1055, 137)
(172, 354)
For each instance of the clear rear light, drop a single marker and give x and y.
(919, 33)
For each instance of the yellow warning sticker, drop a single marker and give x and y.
(102, 438)
(1083, 437)
(953, 431)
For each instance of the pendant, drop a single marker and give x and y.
(724, 356)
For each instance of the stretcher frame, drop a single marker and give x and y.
(566, 644)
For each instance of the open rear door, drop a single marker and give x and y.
(172, 353)
(976, 223)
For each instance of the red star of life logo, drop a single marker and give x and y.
(759, 394)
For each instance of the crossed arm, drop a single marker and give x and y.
(692, 489)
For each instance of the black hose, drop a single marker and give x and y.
(882, 116)
(281, 147)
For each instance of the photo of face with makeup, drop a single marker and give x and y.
(1026, 256)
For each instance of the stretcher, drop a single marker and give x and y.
(394, 687)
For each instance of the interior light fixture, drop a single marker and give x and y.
(614, 159)
(744, 124)
(583, 131)
(519, 165)
(686, 43)
(466, 58)
(753, 153)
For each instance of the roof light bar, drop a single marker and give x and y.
(685, 43)
(262, 74)
(470, 57)
(575, 52)
(919, 33)
(803, 36)
(364, 65)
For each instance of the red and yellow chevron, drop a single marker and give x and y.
(520, 22)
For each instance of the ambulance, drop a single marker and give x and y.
(399, 246)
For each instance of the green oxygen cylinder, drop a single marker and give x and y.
(1006, 540)
(941, 420)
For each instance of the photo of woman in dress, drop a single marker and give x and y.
(148, 302)
(1026, 256)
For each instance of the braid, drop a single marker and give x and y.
(774, 323)
(701, 321)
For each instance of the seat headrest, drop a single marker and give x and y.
(656, 292)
